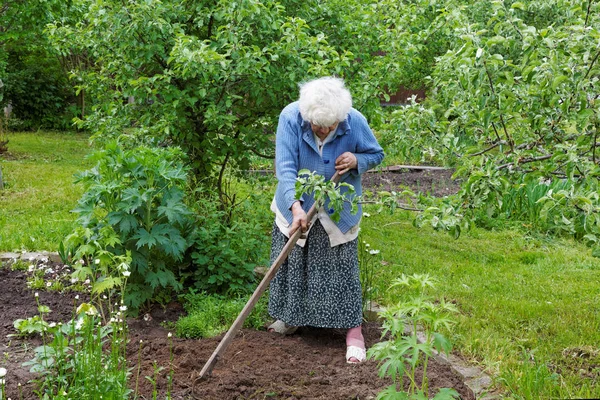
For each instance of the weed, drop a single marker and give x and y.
(403, 354)
(210, 315)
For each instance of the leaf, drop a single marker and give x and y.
(596, 252)
(441, 344)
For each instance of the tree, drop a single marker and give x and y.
(515, 102)
(36, 83)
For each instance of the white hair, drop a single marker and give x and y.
(324, 101)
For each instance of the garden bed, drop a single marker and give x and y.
(258, 364)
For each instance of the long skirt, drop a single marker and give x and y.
(318, 285)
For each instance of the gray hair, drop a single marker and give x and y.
(324, 101)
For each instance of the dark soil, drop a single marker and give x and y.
(258, 365)
(437, 183)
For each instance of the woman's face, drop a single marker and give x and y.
(323, 131)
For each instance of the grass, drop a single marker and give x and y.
(527, 304)
(208, 316)
(39, 194)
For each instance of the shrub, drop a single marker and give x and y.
(134, 203)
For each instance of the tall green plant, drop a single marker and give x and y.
(134, 204)
(405, 352)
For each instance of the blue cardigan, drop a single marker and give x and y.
(296, 149)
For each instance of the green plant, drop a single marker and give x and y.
(73, 363)
(334, 195)
(225, 253)
(405, 352)
(133, 205)
(210, 315)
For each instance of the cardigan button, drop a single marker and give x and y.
(331, 211)
(326, 161)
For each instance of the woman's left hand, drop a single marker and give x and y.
(345, 162)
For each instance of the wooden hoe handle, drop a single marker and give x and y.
(237, 324)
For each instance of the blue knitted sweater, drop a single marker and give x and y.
(296, 149)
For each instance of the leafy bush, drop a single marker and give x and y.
(210, 315)
(225, 253)
(38, 90)
(134, 204)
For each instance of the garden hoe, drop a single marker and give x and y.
(239, 321)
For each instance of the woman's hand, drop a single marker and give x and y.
(345, 162)
(300, 218)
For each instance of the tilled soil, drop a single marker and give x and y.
(258, 365)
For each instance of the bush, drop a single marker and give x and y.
(225, 251)
(134, 203)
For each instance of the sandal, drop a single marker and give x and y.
(282, 328)
(355, 355)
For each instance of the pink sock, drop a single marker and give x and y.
(354, 337)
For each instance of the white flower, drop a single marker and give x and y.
(2, 372)
(81, 262)
(49, 271)
(367, 245)
(30, 268)
(48, 284)
(51, 324)
(170, 334)
(104, 297)
(123, 308)
(97, 261)
(37, 294)
(366, 214)
(126, 273)
(79, 324)
(1, 382)
(74, 280)
(87, 281)
(373, 251)
(77, 297)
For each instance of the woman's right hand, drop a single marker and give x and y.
(300, 218)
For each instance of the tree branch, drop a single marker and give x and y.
(493, 146)
(508, 138)
(525, 161)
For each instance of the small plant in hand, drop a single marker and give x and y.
(403, 354)
(327, 192)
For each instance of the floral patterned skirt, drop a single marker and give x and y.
(317, 285)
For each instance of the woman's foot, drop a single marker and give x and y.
(355, 346)
(282, 328)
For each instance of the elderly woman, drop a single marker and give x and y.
(319, 284)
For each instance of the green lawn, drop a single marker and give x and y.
(530, 307)
(39, 194)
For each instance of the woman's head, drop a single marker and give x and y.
(325, 101)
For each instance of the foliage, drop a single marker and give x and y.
(224, 253)
(328, 193)
(72, 361)
(34, 74)
(210, 315)
(514, 101)
(403, 353)
(133, 204)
